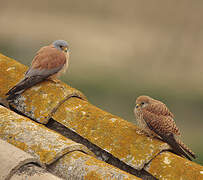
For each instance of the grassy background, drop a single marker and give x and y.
(120, 50)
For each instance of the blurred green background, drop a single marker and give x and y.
(120, 50)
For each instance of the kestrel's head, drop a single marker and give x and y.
(61, 45)
(143, 101)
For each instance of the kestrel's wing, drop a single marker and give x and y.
(163, 126)
(159, 108)
(165, 117)
(47, 62)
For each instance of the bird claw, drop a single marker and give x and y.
(56, 81)
(141, 131)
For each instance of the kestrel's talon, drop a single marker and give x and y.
(142, 132)
(49, 62)
(148, 134)
(156, 120)
(56, 81)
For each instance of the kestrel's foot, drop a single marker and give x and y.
(146, 133)
(56, 81)
(143, 132)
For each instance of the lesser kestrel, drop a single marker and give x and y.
(49, 62)
(155, 119)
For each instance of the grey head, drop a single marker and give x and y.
(61, 45)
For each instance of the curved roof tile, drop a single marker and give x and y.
(110, 133)
(34, 138)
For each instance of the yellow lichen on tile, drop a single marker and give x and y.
(35, 138)
(77, 165)
(111, 133)
(10, 73)
(168, 166)
(39, 101)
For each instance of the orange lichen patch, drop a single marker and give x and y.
(10, 73)
(111, 133)
(34, 138)
(77, 165)
(38, 102)
(167, 166)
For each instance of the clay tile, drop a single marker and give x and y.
(12, 159)
(35, 138)
(33, 172)
(111, 133)
(170, 166)
(77, 165)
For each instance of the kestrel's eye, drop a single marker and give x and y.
(142, 103)
(61, 47)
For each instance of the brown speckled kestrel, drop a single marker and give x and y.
(155, 119)
(49, 62)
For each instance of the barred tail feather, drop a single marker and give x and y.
(186, 148)
(175, 146)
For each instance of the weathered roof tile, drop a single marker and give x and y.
(33, 172)
(35, 138)
(77, 165)
(102, 130)
(167, 166)
(11, 72)
(111, 133)
(57, 152)
(107, 131)
(12, 159)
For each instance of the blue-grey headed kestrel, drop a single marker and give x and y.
(49, 62)
(156, 120)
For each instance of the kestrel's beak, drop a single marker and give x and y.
(137, 105)
(65, 49)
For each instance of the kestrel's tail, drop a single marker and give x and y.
(186, 148)
(23, 85)
(178, 148)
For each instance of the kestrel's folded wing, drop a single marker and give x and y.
(47, 62)
(164, 124)
(164, 127)
(159, 108)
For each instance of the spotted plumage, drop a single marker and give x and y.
(49, 62)
(155, 119)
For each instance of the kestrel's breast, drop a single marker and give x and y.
(142, 123)
(65, 67)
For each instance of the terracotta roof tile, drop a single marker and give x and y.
(33, 172)
(35, 138)
(15, 163)
(77, 165)
(12, 159)
(170, 166)
(111, 138)
(109, 132)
